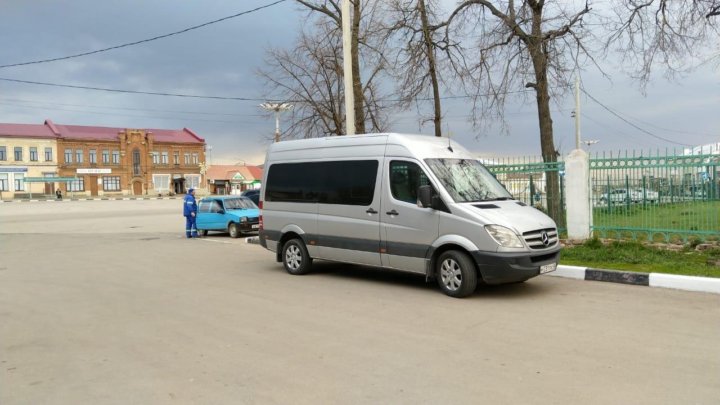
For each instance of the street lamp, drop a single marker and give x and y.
(590, 142)
(277, 108)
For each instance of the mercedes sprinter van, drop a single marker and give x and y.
(405, 202)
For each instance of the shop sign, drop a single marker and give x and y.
(94, 171)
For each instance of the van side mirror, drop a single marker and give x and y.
(425, 196)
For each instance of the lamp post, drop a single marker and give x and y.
(277, 108)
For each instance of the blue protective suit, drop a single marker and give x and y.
(190, 212)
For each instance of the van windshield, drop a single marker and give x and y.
(467, 180)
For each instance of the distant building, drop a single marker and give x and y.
(27, 151)
(101, 161)
(232, 179)
(709, 149)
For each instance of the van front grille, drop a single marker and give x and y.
(541, 238)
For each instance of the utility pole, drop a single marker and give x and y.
(277, 108)
(577, 112)
(347, 70)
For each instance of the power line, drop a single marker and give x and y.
(9, 101)
(144, 40)
(152, 117)
(611, 111)
(152, 93)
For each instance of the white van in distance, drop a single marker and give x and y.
(406, 202)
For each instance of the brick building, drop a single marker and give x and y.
(120, 161)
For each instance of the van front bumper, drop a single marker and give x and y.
(502, 268)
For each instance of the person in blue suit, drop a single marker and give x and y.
(190, 212)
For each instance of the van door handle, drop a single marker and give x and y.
(371, 211)
(393, 212)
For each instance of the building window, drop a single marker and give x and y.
(78, 155)
(18, 154)
(164, 158)
(3, 153)
(176, 158)
(33, 154)
(19, 182)
(161, 182)
(116, 157)
(68, 155)
(3, 182)
(136, 163)
(155, 157)
(76, 185)
(192, 181)
(195, 158)
(111, 183)
(93, 156)
(106, 156)
(48, 154)
(187, 159)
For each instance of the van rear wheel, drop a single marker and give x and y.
(296, 259)
(456, 274)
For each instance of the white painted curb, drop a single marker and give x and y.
(569, 272)
(689, 283)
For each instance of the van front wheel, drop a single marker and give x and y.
(296, 259)
(456, 274)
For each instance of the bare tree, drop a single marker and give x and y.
(311, 77)
(530, 44)
(675, 35)
(417, 26)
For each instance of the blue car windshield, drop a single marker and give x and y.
(238, 204)
(467, 180)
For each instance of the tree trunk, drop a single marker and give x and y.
(430, 52)
(547, 143)
(357, 83)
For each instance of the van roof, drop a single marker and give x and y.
(419, 146)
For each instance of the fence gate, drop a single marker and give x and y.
(666, 197)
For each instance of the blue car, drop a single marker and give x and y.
(233, 214)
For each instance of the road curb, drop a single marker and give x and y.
(659, 280)
(89, 199)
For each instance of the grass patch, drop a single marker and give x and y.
(700, 216)
(634, 256)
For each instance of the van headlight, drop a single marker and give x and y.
(504, 236)
(243, 220)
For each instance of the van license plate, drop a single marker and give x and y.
(548, 268)
(255, 226)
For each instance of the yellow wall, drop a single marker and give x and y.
(38, 168)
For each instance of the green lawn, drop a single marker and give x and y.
(701, 218)
(634, 256)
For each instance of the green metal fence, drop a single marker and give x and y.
(526, 178)
(662, 197)
(666, 196)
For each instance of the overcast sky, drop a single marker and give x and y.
(221, 60)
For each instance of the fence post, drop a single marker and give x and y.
(577, 171)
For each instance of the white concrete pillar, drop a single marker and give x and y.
(577, 195)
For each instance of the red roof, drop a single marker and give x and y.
(82, 132)
(226, 172)
(27, 131)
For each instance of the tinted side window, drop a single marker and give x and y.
(339, 182)
(349, 182)
(294, 182)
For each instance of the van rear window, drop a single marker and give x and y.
(345, 182)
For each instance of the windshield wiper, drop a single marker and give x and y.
(498, 199)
